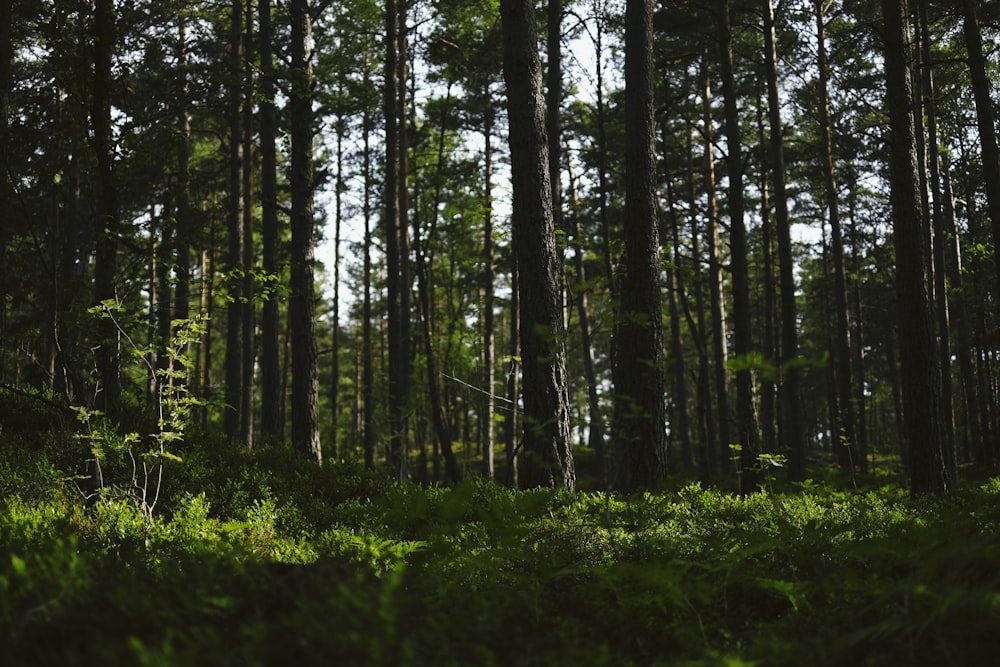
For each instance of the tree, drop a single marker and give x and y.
(397, 253)
(108, 223)
(270, 348)
(792, 432)
(985, 118)
(639, 422)
(302, 302)
(920, 367)
(746, 419)
(548, 459)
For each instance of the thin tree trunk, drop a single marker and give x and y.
(720, 342)
(939, 243)
(595, 420)
(846, 441)
(489, 356)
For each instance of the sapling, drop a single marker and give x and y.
(174, 403)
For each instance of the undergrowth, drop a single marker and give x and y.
(260, 558)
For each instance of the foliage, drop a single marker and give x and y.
(261, 558)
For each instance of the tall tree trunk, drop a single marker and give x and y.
(974, 444)
(301, 302)
(746, 419)
(108, 223)
(720, 338)
(680, 420)
(367, 360)
(639, 421)
(335, 445)
(595, 421)
(248, 309)
(921, 371)
(845, 442)
(707, 432)
(546, 445)
(940, 243)
(234, 310)
(398, 288)
(270, 346)
(489, 356)
(769, 413)
(986, 119)
(511, 422)
(182, 199)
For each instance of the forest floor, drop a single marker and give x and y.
(259, 558)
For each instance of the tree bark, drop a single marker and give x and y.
(108, 223)
(639, 421)
(398, 313)
(270, 346)
(548, 459)
(234, 311)
(301, 303)
(985, 118)
(792, 431)
(746, 419)
(921, 372)
(720, 337)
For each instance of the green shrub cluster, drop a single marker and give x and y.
(261, 558)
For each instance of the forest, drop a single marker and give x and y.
(454, 332)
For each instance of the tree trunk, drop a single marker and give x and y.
(547, 454)
(845, 442)
(986, 119)
(398, 289)
(792, 431)
(921, 371)
(270, 347)
(108, 223)
(234, 310)
(301, 302)
(720, 338)
(746, 420)
(489, 356)
(639, 421)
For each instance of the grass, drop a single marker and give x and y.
(258, 558)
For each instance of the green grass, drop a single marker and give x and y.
(258, 558)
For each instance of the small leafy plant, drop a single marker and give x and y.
(144, 456)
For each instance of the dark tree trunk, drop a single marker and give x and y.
(302, 303)
(398, 289)
(234, 310)
(639, 422)
(746, 419)
(270, 347)
(985, 117)
(845, 442)
(792, 431)
(921, 371)
(720, 342)
(367, 360)
(108, 223)
(548, 460)
(489, 356)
